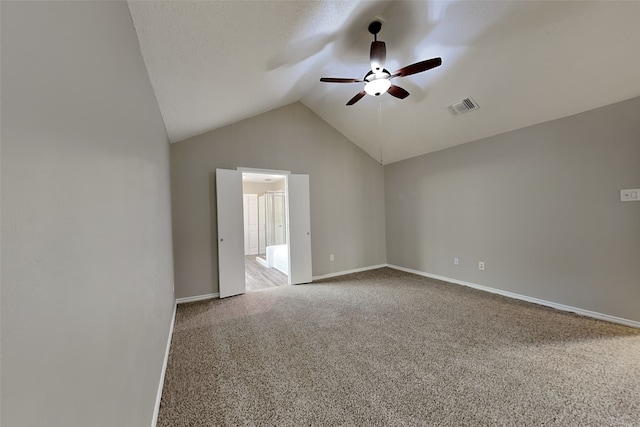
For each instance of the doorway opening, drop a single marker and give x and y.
(266, 230)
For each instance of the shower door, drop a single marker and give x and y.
(276, 218)
(272, 220)
(262, 225)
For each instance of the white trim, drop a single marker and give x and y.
(562, 307)
(355, 270)
(156, 410)
(263, 171)
(197, 298)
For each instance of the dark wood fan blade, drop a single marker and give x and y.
(418, 67)
(356, 98)
(398, 92)
(339, 80)
(378, 55)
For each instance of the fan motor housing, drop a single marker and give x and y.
(371, 76)
(375, 27)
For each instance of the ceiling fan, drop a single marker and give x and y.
(378, 80)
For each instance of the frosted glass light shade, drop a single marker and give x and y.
(377, 87)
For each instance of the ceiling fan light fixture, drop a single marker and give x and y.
(378, 80)
(377, 87)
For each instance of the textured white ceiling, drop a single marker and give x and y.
(524, 62)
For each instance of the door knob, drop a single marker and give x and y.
(222, 240)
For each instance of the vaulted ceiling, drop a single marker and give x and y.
(213, 63)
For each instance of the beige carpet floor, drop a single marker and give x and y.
(387, 348)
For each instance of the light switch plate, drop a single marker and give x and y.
(630, 195)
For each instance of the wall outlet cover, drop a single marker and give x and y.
(630, 195)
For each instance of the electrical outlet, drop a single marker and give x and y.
(456, 261)
(630, 195)
(481, 265)
(332, 258)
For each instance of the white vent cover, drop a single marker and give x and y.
(463, 106)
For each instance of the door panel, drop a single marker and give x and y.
(299, 230)
(230, 232)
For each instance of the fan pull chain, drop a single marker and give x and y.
(380, 129)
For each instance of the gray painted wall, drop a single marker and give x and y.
(540, 206)
(87, 268)
(346, 185)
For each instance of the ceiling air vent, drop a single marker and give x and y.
(463, 106)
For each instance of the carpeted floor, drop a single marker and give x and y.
(387, 348)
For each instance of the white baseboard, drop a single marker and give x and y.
(197, 298)
(156, 410)
(580, 311)
(355, 270)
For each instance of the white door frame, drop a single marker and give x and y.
(305, 259)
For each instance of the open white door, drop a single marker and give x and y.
(230, 233)
(299, 230)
